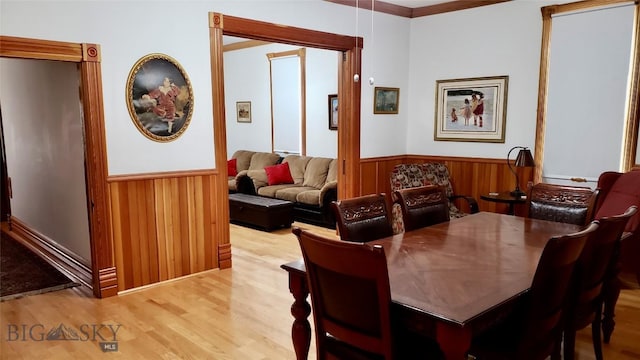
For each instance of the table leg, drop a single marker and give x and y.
(454, 341)
(301, 329)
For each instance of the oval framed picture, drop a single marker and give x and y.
(159, 97)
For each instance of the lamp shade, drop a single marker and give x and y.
(525, 159)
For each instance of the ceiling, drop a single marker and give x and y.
(416, 8)
(415, 3)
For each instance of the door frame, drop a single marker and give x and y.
(348, 98)
(104, 280)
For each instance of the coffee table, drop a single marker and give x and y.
(260, 212)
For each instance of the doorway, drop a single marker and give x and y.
(348, 98)
(101, 275)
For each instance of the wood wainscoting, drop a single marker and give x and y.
(469, 176)
(164, 226)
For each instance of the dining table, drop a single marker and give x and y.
(449, 281)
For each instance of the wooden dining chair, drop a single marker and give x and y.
(363, 218)
(585, 299)
(567, 204)
(351, 302)
(534, 329)
(423, 206)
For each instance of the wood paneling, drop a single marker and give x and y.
(163, 226)
(469, 176)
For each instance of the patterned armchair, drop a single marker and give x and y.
(406, 176)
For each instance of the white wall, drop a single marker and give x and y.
(42, 123)
(500, 39)
(129, 30)
(247, 79)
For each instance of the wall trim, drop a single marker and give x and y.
(162, 175)
(55, 254)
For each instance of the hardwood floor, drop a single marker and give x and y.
(237, 313)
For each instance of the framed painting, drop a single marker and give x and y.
(385, 100)
(159, 97)
(471, 109)
(333, 112)
(243, 111)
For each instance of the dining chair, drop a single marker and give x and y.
(351, 302)
(618, 191)
(567, 204)
(364, 218)
(585, 299)
(423, 206)
(533, 330)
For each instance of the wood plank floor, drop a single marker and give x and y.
(238, 313)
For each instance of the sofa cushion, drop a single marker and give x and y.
(271, 191)
(310, 197)
(259, 178)
(260, 160)
(232, 169)
(332, 174)
(620, 197)
(291, 193)
(243, 159)
(315, 175)
(297, 166)
(278, 174)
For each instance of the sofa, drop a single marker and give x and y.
(244, 160)
(309, 182)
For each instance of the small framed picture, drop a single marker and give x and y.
(471, 109)
(243, 110)
(333, 112)
(385, 100)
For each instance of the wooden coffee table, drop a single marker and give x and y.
(260, 212)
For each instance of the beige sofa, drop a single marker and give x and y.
(313, 189)
(251, 160)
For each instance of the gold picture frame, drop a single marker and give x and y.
(471, 109)
(386, 100)
(159, 97)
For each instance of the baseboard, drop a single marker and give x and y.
(55, 254)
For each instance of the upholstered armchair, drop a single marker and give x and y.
(406, 176)
(618, 191)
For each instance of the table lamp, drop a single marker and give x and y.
(524, 159)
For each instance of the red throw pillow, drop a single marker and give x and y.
(232, 167)
(279, 174)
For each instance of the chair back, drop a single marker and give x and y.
(363, 218)
(596, 263)
(423, 206)
(567, 204)
(350, 296)
(542, 325)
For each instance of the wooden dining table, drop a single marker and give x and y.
(449, 281)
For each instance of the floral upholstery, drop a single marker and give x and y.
(406, 176)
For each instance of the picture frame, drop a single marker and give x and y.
(243, 111)
(386, 100)
(333, 112)
(159, 97)
(471, 109)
